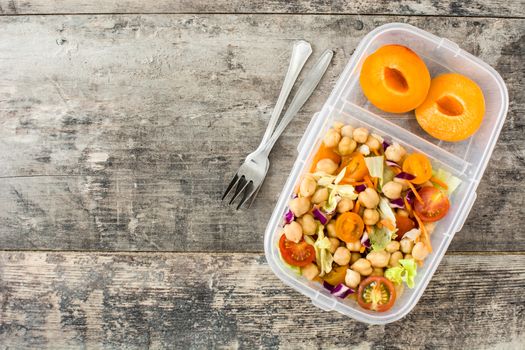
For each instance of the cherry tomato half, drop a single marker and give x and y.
(418, 165)
(349, 227)
(376, 293)
(336, 276)
(322, 153)
(404, 225)
(296, 254)
(435, 204)
(356, 168)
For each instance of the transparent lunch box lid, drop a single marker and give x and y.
(466, 160)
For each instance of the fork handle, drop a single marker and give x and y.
(300, 53)
(303, 93)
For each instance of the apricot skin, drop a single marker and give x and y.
(454, 108)
(395, 79)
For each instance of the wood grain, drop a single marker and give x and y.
(202, 301)
(493, 8)
(121, 132)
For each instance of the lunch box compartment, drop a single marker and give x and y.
(466, 160)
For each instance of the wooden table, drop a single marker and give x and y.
(120, 126)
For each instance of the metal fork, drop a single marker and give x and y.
(252, 172)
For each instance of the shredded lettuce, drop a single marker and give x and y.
(375, 166)
(295, 269)
(325, 180)
(388, 175)
(331, 203)
(451, 181)
(385, 211)
(344, 190)
(340, 176)
(406, 272)
(379, 238)
(322, 250)
(413, 234)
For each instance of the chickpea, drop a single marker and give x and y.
(402, 212)
(344, 205)
(338, 126)
(320, 195)
(378, 258)
(346, 146)
(334, 245)
(293, 232)
(394, 259)
(308, 186)
(360, 135)
(420, 251)
(392, 189)
(403, 182)
(342, 256)
(353, 246)
(373, 143)
(347, 131)
(332, 138)
(379, 138)
(310, 271)
(369, 198)
(362, 266)
(377, 272)
(299, 206)
(406, 245)
(395, 152)
(330, 229)
(355, 257)
(408, 256)
(308, 223)
(370, 216)
(352, 278)
(326, 166)
(392, 246)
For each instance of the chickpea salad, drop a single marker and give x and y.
(360, 221)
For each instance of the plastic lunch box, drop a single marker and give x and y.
(467, 159)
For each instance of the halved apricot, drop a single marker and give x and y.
(395, 79)
(453, 109)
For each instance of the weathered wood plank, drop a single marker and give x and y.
(202, 301)
(151, 115)
(492, 8)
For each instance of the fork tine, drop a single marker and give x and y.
(250, 189)
(254, 195)
(241, 185)
(230, 186)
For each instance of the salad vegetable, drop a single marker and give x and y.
(360, 221)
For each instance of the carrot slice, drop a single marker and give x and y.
(375, 182)
(368, 181)
(376, 152)
(424, 233)
(395, 170)
(356, 207)
(439, 182)
(368, 229)
(407, 205)
(388, 224)
(418, 197)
